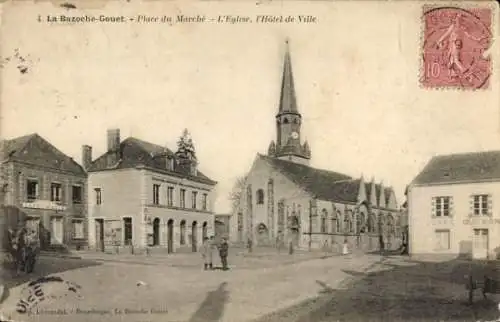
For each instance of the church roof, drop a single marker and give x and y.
(453, 168)
(288, 100)
(324, 184)
(34, 149)
(135, 152)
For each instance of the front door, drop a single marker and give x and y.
(57, 230)
(480, 244)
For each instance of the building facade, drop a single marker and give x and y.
(285, 200)
(453, 207)
(46, 188)
(143, 194)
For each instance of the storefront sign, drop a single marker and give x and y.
(44, 204)
(480, 221)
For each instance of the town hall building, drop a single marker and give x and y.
(285, 200)
(145, 196)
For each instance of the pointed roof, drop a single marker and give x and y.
(135, 152)
(34, 149)
(288, 101)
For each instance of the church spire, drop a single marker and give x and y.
(288, 101)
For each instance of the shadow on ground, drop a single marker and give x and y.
(415, 291)
(212, 308)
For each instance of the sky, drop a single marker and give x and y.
(356, 74)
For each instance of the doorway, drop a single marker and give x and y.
(156, 232)
(57, 230)
(99, 234)
(204, 231)
(194, 236)
(170, 236)
(480, 244)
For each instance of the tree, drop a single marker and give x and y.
(237, 192)
(185, 146)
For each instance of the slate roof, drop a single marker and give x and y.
(135, 152)
(323, 184)
(34, 149)
(478, 166)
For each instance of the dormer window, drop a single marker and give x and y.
(170, 163)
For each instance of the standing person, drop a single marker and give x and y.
(223, 252)
(345, 249)
(213, 249)
(381, 243)
(206, 253)
(249, 242)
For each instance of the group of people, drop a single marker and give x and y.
(23, 247)
(210, 248)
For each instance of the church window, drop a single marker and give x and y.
(296, 121)
(338, 222)
(285, 121)
(324, 215)
(260, 197)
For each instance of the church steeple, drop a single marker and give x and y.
(288, 101)
(288, 120)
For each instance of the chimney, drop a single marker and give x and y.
(113, 139)
(86, 156)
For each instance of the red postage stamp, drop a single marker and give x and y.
(455, 48)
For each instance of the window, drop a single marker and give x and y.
(481, 205)
(183, 198)
(77, 194)
(442, 239)
(194, 196)
(98, 196)
(183, 232)
(78, 229)
(442, 206)
(32, 189)
(323, 226)
(156, 194)
(55, 192)
(127, 230)
(260, 197)
(170, 196)
(204, 201)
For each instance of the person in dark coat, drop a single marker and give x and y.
(223, 252)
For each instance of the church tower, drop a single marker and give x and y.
(288, 121)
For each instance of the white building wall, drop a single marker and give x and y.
(461, 224)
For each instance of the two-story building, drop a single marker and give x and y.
(453, 207)
(45, 187)
(143, 194)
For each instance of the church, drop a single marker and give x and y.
(285, 200)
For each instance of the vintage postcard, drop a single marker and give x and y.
(249, 161)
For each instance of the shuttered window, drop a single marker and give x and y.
(481, 205)
(442, 239)
(442, 206)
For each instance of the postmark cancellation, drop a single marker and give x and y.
(455, 47)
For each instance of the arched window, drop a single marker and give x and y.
(296, 121)
(351, 221)
(285, 121)
(371, 223)
(339, 222)
(390, 225)
(324, 215)
(183, 232)
(260, 197)
(347, 222)
(362, 220)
